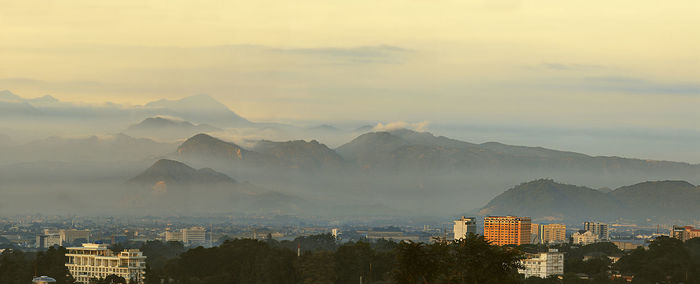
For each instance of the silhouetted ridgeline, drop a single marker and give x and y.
(546, 200)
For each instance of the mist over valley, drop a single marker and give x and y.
(195, 155)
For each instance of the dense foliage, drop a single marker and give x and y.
(251, 261)
(667, 260)
(322, 260)
(17, 267)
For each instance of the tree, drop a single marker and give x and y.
(14, 267)
(317, 268)
(474, 260)
(52, 263)
(415, 263)
(667, 260)
(353, 260)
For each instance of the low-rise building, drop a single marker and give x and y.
(96, 261)
(188, 236)
(583, 237)
(71, 235)
(389, 235)
(684, 233)
(629, 245)
(47, 241)
(543, 264)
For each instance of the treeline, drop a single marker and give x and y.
(250, 261)
(472, 260)
(322, 260)
(665, 260)
(18, 267)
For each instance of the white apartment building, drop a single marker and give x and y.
(66, 236)
(543, 265)
(464, 226)
(97, 261)
(583, 237)
(598, 229)
(194, 235)
(47, 241)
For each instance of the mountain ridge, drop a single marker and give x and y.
(545, 199)
(168, 171)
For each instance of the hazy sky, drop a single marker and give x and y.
(625, 63)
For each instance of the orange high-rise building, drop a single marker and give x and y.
(507, 230)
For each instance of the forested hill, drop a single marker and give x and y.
(546, 200)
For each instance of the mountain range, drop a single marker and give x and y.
(200, 109)
(111, 148)
(405, 149)
(298, 154)
(385, 172)
(548, 201)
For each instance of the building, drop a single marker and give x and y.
(684, 233)
(47, 241)
(173, 236)
(552, 233)
(599, 229)
(534, 233)
(543, 264)
(388, 235)
(71, 235)
(583, 237)
(97, 261)
(43, 280)
(629, 245)
(464, 226)
(119, 239)
(507, 230)
(194, 235)
(188, 236)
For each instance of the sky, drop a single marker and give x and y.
(552, 64)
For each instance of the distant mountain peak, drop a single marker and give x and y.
(165, 172)
(198, 108)
(324, 127)
(207, 145)
(6, 95)
(45, 99)
(192, 102)
(163, 127)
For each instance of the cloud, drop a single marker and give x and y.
(560, 66)
(417, 126)
(385, 54)
(640, 86)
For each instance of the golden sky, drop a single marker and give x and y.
(629, 63)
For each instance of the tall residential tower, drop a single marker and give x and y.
(464, 226)
(507, 230)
